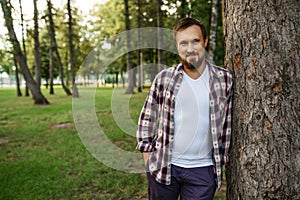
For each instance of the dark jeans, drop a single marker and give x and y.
(190, 183)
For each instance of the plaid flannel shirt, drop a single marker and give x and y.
(155, 132)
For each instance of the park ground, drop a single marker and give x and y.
(42, 156)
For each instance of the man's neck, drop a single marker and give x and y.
(196, 72)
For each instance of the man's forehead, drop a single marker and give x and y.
(190, 36)
(192, 32)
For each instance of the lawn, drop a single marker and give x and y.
(43, 157)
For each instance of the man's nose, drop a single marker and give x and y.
(190, 47)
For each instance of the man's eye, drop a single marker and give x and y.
(196, 41)
(183, 43)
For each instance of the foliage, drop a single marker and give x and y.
(107, 20)
(6, 61)
(110, 23)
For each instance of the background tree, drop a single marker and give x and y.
(19, 93)
(71, 47)
(35, 91)
(51, 67)
(262, 51)
(130, 86)
(55, 47)
(213, 29)
(140, 53)
(23, 42)
(159, 35)
(37, 56)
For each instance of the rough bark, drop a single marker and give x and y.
(72, 56)
(37, 56)
(130, 87)
(213, 29)
(55, 48)
(34, 89)
(262, 50)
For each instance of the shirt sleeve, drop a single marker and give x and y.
(147, 120)
(226, 137)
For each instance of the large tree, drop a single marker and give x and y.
(32, 85)
(262, 51)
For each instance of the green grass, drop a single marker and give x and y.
(38, 161)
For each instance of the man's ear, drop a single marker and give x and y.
(205, 42)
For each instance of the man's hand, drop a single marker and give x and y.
(146, 157)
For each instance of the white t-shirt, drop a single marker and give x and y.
(192, 145)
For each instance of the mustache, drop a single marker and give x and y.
(191, 54)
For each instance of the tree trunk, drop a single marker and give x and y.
(159, 36)
(117, 78)
(262, 51)
(51, 90)
(140, 58)
(19, 93)
(37, 56)
(23, 44)
(130, 87)
(26, 89)
(72, 63)
(213, 29)
(35, 91)
(55, 48)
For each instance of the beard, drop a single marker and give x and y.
(192, 63)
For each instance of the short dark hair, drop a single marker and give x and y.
(187, 22)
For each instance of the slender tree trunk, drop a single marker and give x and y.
(37, 56)
(153, 70)
(129, 67)
(19, 93)
(55, 49)
(159, 36)
(26, 89)
(213, 29)
(262, 51)
(35, 91)
(140, 61)
(23, 44)
(122, 78)
(51, 90)
(117, 78)
(72, 56)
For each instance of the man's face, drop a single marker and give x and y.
(191, 46)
